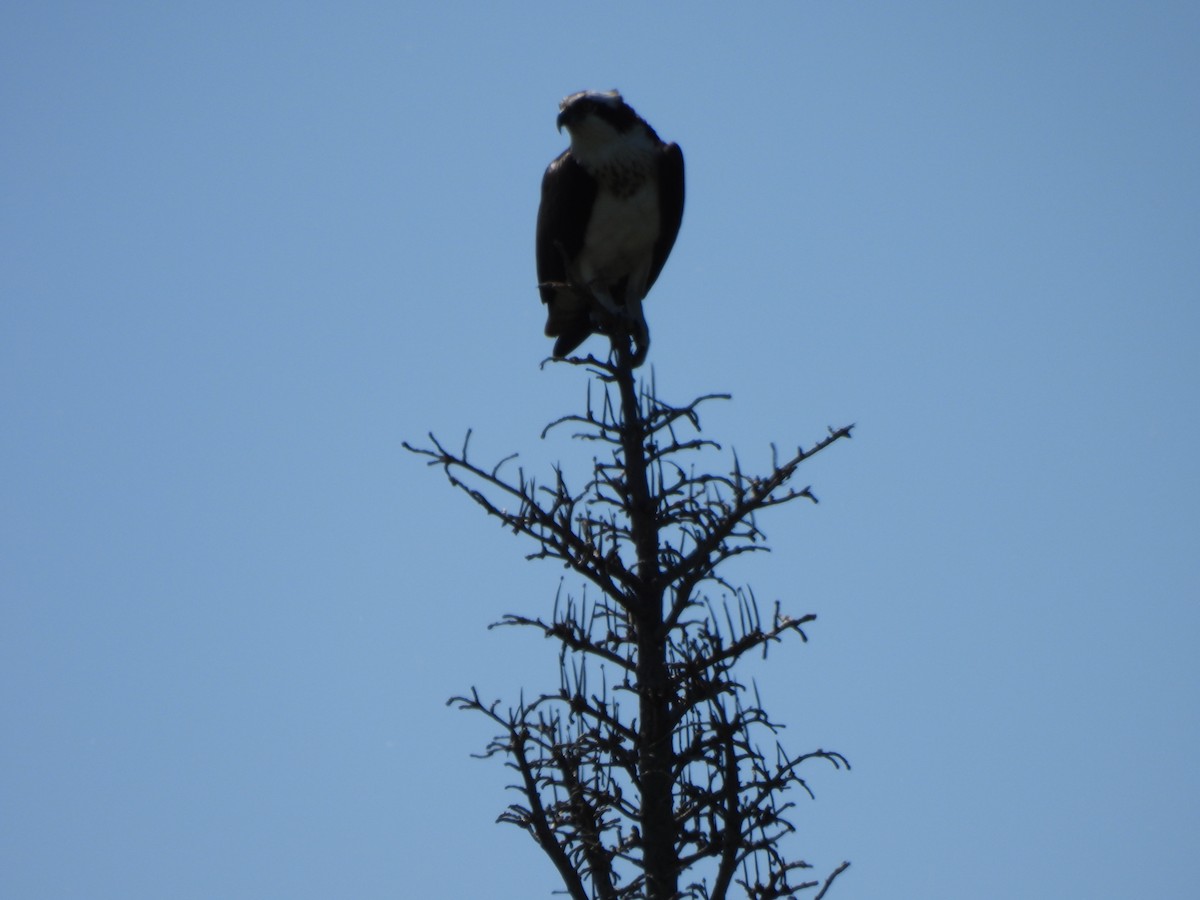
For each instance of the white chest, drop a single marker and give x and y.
(621, 234)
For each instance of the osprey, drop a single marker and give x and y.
(611, 207)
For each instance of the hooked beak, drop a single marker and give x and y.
(569, 116)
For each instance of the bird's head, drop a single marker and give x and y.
(596, 120)
(607, 106)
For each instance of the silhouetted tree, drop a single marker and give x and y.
(651, 771)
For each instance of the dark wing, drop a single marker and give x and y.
(670, 207)
(567, 196)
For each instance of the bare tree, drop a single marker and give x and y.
(651, 771)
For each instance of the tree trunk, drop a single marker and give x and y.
(656, 757)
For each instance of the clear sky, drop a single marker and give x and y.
(247, 249)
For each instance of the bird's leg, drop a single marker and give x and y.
(641, 333)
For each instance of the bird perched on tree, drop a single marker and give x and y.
(611, 207)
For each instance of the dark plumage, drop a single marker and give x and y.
(611, 208)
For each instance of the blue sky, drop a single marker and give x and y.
(247, 249)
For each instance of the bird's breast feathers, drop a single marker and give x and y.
(621, 233)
